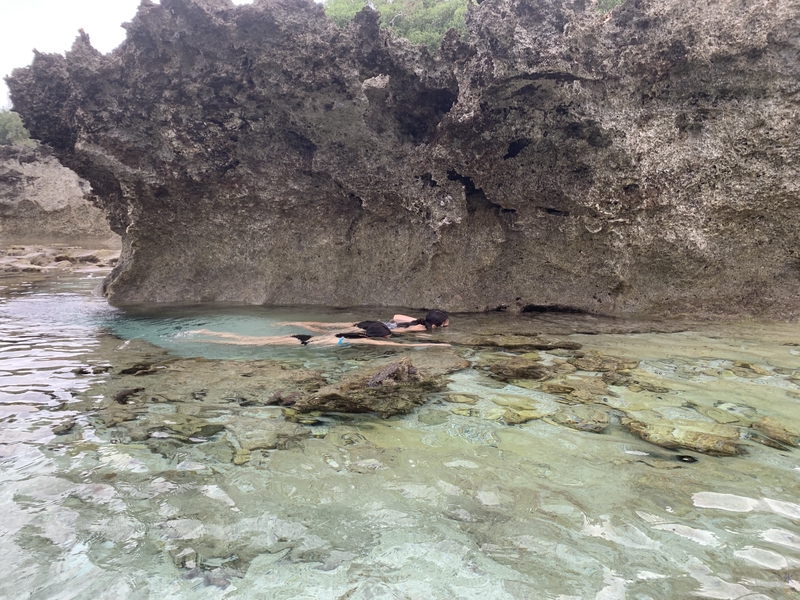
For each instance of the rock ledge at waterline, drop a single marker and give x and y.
(640, 161)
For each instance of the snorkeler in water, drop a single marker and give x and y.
(398, 324)
(434, 319)
(375, 333)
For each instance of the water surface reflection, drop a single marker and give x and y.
(519, 480)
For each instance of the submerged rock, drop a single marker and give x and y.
(556, 156)
(517, 417)
(749, 370)
(394, 373)
(574, 389)
(465, 411)
(637, 385)
(148, 374)
(559, 387)
(516, 342)
(263, 434)
(64, 427)
(776, 430)
(601, 363)
(462, 398)
(519, 367)
(514, 401)
(433, 417)
(706, 437)
(721, 416)
(386, 389)
(582, 418)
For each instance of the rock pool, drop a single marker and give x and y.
(568, 456)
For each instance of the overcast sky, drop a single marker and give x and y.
(52, 25)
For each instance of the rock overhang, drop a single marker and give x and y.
(637, 161)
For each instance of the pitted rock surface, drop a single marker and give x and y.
(42, 200)
(640, 161)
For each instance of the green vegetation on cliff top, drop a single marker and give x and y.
(12, 131)
(422, 22)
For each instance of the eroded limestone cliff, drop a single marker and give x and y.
(644, 160)
(43, 201)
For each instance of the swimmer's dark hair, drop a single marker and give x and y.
(435, 318)
(377, 330)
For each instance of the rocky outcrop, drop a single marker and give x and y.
(640, 161)
(393, 387)
(38, 258)
(42, 200)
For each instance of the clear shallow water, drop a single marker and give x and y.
(448, 502)
(172, 328)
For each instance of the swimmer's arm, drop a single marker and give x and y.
(402, 318)
(411, 329)
(317, 326)
(376, 342)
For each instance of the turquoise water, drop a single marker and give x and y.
(171, 328)
(177, 493)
